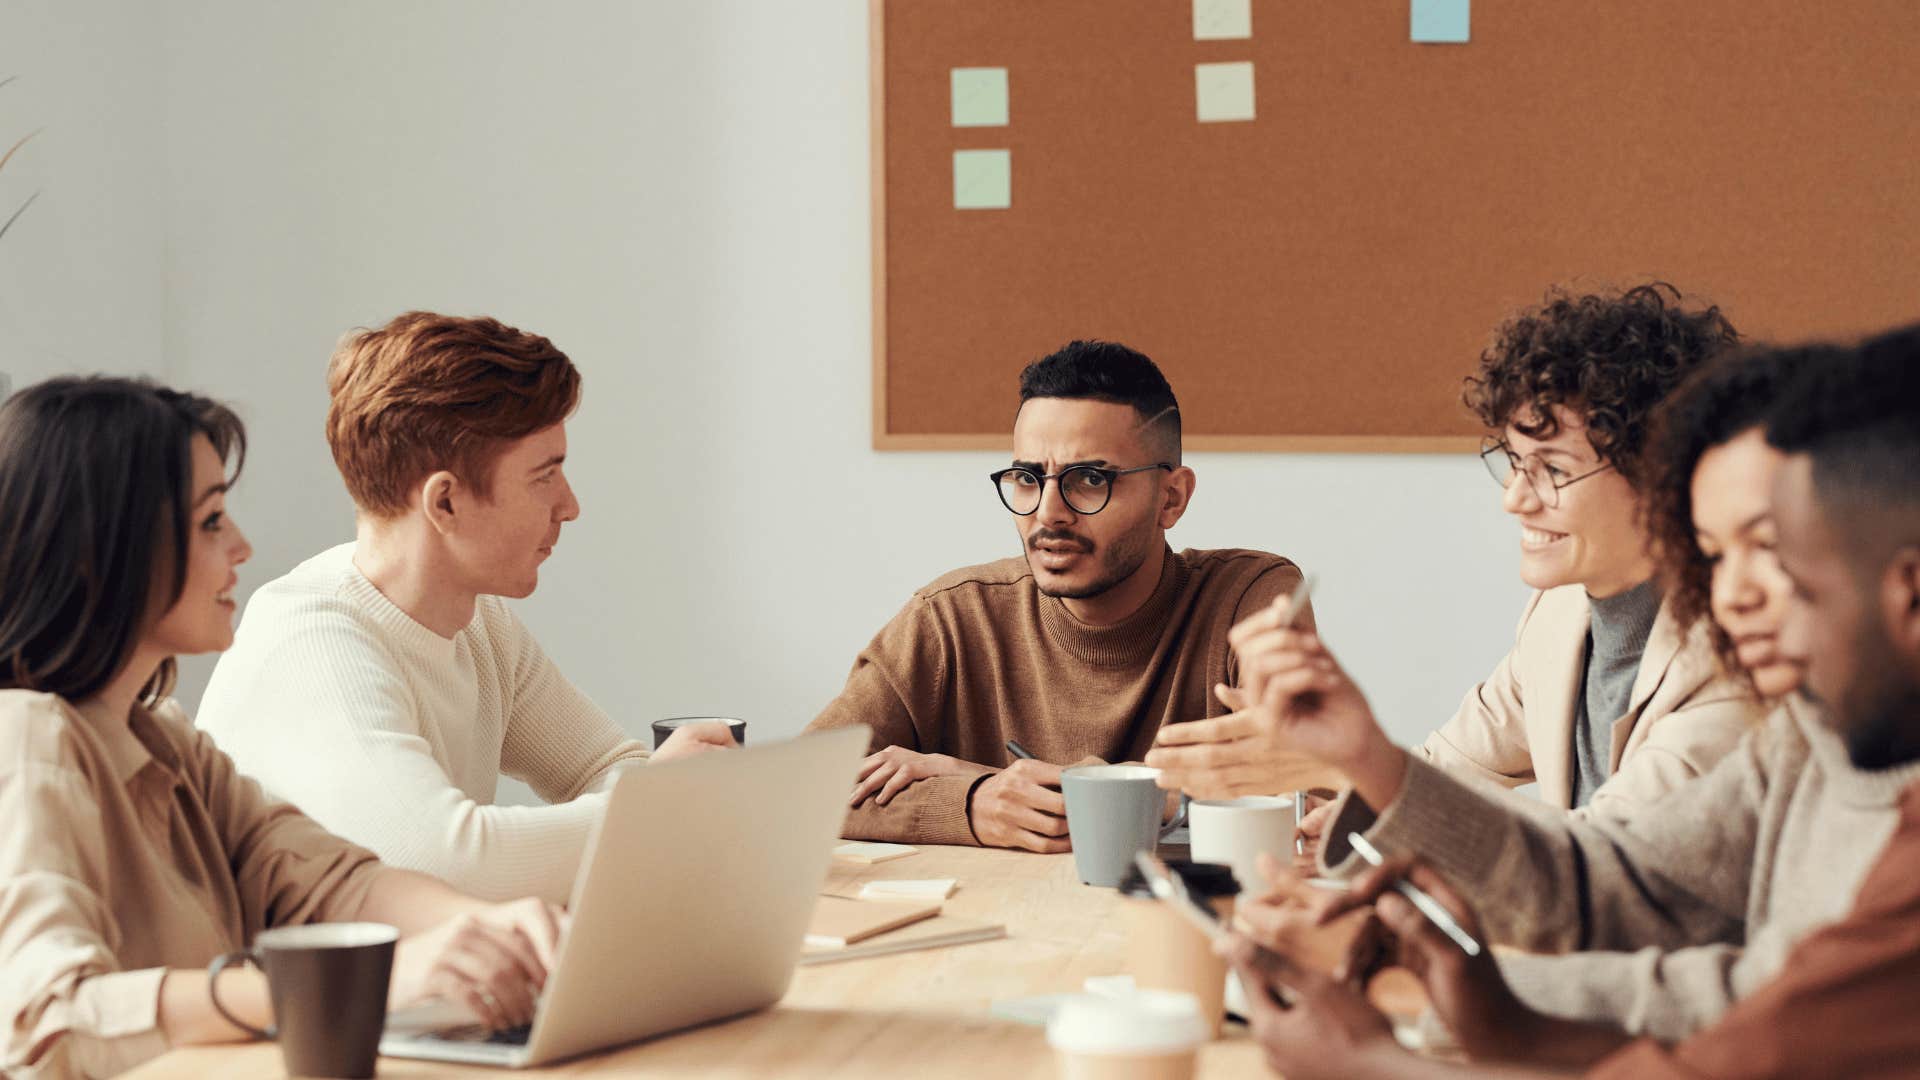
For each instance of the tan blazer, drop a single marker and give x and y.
(1685, 714)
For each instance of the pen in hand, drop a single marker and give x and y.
(1419, 898)
(1017, 750)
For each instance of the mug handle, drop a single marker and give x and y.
(1179, 817)
(213, 980)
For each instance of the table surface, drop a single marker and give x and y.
(923, 1014)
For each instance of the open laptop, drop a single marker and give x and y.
(691, 905)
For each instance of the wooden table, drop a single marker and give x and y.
(918, 1014)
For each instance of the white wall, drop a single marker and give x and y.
(677, 194)
(81, 287)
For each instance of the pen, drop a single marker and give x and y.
(1299, 811)
(1297, 602)
(1017, 750)
(1427, 905)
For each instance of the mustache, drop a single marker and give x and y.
(1060, 536)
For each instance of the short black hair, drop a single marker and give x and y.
(1105, 371)
(1858, 418)
(1611, 356)
(96, 479)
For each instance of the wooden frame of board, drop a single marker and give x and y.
(1756, 146)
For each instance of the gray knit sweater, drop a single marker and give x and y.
(1687, 904)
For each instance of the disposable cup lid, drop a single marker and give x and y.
(1143, 1022)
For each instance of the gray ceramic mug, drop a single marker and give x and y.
(328, 984)
(1113, 811)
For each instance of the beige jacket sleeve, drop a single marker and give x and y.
(288, 868)
(1487, 736)
(1674, 876)
(67, 1007)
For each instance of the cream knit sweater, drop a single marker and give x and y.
(1667, 915)
(395, 737)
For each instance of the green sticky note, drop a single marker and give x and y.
(1223, 92)
(1441, 21)
(980, 97)
(982, 179)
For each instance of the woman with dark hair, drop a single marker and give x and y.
(131, 852)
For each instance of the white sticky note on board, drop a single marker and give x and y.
(982, 179)
(980, 97)
(1445, 22)
(1222, 20)
(1223, 92)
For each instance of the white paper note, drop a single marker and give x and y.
(1223, 92)
(1222, 20)
(909, 889)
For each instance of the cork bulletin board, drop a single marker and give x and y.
(1320, 276)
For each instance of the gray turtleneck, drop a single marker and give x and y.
(1615, 639)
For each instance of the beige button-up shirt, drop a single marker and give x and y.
(126, 848)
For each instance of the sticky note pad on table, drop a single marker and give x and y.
(1222, 20)
(864, 852)
(980, 97)
(909, 889)
(1441, 21)
(1223, 92)
(982, 179)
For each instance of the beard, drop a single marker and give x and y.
(1884, 732)
(1881, 709)
(1117, 562)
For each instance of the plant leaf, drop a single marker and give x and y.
(17, 213)
(8, 156)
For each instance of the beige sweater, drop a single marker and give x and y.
(980, 656)
(395, 737)
(1689, 903)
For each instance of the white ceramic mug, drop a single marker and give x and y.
(1235, 831)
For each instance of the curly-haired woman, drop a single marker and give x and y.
(1608, 698)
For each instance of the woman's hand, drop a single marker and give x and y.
(691, 739)
(494, 961)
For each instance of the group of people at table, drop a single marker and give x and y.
(1715, 688)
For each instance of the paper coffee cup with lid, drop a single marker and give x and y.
(1144, 1035)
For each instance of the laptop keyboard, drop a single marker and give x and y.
(474, 1033)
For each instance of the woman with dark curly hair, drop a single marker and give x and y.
(1709, 490)
(1607, 700)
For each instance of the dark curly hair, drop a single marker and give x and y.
(1733, 393)
(1608, 357)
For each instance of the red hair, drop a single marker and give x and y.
(429, 392)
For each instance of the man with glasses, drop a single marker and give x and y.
(1079, 650)
(1605, 701)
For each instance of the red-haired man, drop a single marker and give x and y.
(384, 686)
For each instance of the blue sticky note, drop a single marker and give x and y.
(1444, 21)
